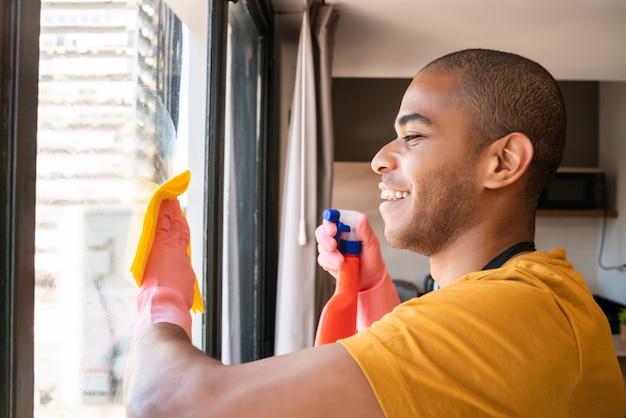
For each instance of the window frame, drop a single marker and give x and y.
(268, 169)
(269, 173)
(257, 286)
(214, 177)
(19, 69)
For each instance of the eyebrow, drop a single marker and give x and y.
(404, 119)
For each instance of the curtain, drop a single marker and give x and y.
(307, 184)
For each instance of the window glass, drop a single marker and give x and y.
(112, 75)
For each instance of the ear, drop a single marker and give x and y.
(508, 159)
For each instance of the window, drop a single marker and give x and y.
(113, 119)
(108, 124)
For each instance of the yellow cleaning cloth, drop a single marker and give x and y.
(169, 190)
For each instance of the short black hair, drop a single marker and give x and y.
(503, 93)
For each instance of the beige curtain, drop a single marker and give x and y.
(307, 184)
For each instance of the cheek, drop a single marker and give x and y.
(429, 186)
(416, 172)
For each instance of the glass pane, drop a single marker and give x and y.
(242, 194)
(109, 111)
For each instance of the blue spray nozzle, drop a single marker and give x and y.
(349, 243)
(331, 215)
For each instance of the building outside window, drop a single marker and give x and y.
(108, 117)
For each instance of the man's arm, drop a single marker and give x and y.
(167, 377)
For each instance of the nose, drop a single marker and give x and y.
(384, 161)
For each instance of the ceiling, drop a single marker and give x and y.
(573, 39)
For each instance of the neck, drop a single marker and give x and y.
(472, 252)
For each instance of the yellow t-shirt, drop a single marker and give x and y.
(524, 340)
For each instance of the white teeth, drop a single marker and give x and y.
(393, 194)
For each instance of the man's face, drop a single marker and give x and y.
(428, 171)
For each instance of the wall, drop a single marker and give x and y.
(612, 284)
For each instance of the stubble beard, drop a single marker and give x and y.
(444, 210)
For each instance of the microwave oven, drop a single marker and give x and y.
(575, 189)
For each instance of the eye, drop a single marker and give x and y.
(412, 138)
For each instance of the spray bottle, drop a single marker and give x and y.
(338, 318)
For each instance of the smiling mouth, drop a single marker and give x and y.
(387, 194)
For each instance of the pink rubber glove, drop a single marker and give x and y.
(377, 294)
(166, 292)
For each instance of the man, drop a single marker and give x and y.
(511, 332)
